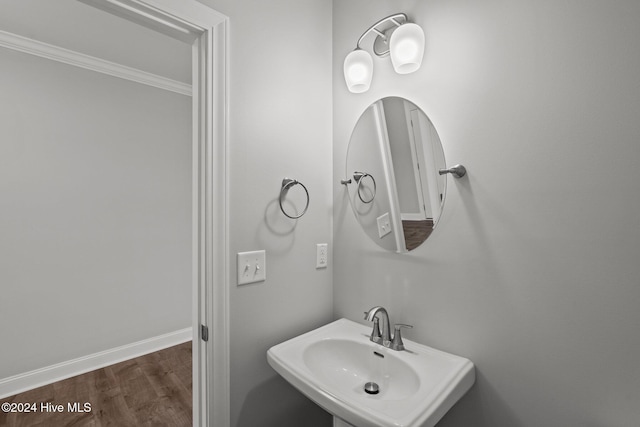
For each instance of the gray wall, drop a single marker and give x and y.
(95, 212)
(533, 270)
(280, 126)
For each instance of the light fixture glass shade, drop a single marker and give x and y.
(406, 46)
(358, 71)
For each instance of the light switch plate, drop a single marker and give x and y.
(252, 267)
(384, 225)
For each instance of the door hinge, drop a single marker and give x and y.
(204, 333)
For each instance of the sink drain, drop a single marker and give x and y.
(371, 388)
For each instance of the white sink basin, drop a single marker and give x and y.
(331, 365)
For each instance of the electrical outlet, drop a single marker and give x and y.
(384, 225)
(322, 255)
(252, 267)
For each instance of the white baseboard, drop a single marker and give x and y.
(60, 371)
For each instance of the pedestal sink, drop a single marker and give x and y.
(332, 365)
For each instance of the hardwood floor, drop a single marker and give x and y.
(151, 390)
(416, 232)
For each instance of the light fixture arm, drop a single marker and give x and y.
(397, 19)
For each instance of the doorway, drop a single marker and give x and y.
(205, 31)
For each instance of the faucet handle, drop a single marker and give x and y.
(397, 343)
(397, 329)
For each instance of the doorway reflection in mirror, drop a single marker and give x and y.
(395, 142)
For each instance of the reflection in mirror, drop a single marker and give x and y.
(393, 161)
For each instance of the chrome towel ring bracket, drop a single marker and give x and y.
(287, 183)
(458, 171)
(359, 178)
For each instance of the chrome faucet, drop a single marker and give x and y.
(385, 338)
(370, 315)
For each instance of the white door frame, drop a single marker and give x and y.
(429, 138)
(417, 159)
(390, 175)
(206, 30)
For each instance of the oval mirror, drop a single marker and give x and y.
(392, 162)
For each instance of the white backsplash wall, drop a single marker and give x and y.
(279, 126)
(533, 271)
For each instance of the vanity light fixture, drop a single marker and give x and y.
(396, 37)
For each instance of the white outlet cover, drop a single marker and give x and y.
(322, 255)
(384, 225)
(252, 267)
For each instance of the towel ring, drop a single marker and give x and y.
(287, 183)
(359, 177)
